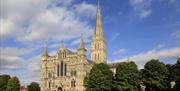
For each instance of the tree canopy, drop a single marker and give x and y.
(33, 87)
(99, 78)
(13, 84)
(155, 76)
(175, 74)
(127, 77)
(3, 82)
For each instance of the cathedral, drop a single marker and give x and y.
(66, 70)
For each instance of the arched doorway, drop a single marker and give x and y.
(59, 89)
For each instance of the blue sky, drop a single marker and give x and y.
(137, 30)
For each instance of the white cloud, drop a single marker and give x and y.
(30, 21)
(6, 28)
(153, 54)
(160, 46)
(14, 51)
(141, 7)
(60, 25)
(145, 13)
(120, 51)
(10, 57)
(176, 34)
(86, 9)
(33, 67)
(10, 62)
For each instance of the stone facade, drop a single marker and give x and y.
(66, 70)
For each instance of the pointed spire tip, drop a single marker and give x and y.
(82, 41)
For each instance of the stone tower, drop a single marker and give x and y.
(98, 44)
(43, 67)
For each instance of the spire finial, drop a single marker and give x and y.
(98, 4)
(62, 44)
(46, 49)
(82, 42)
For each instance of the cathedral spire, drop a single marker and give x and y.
(98, 44)
(98, 31)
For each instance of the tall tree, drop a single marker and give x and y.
(127, 77)
(99, 78)
(13, 84)
(33, 87)
(3, 82)
(155, 76)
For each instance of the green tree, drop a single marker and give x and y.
(155, 76)
(3, 82)
(127, 77)
(13, 84)
(175, 74)
(99, 78)
(33, 87)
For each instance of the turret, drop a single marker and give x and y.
(62, 45)
(82, 50)
(45, 55)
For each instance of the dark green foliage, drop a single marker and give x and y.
(13, 84)
(3, 82)
(175, 74)
(155, 76)
(127, 77)
(33, 87)
(99, 78)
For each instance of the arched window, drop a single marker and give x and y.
(98, 45)
(98, 56)
(49, 84)
(73, 73)
(62, 68)
(64, 54)
(73, 83)
(65, 69)
(95, 56)
(49, 75)
(58, 70)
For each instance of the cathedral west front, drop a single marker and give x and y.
(66, 70)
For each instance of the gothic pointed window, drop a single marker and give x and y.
(58, 70)
(65, 69)
(98, 56)
(73, 83)
(49, 84)
(97, 45)
(95, 56)
(62, 68)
